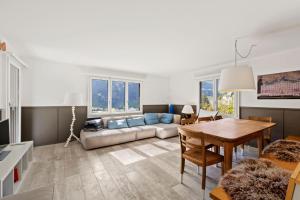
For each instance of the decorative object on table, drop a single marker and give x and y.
(237, 78)
(93, 124)
(2, 46)
(187, 110)
(73, 99)
(16, 175)
(284, 85)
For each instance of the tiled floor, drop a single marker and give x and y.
(145, 169)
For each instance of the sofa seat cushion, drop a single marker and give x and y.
(166, 130)
(147, 131)
(107, 137)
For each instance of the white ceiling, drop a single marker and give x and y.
(157, 36)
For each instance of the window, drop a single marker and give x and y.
(226, 102)
(133, 96)
(118, 96)
(211, 98)
(207, 95)
(114, 96)
(99, 95)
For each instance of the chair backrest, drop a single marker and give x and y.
(262, 119)
(205, 119)
(293, 191)
(185, 135)
(218, 117)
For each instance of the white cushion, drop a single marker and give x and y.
(166, 130)
(147, 131)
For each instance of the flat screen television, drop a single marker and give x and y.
(4, 133)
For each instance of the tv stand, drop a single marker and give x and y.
(3, 154)
(18, 159)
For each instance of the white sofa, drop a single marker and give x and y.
(107, 137)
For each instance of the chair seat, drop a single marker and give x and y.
(196, 142)
(195, 156)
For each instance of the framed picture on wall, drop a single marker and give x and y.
(284, 85)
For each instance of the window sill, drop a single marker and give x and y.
(106, 114)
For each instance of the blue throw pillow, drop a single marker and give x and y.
(151, 118)
(117, 123)
(166, 118)
(135, 121)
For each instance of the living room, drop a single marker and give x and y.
(149, 100)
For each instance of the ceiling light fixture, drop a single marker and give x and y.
(237, 78)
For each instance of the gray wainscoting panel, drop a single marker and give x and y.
(287, 120)
(40, 124)
(291, 122)
(50, 125)
(156, 108)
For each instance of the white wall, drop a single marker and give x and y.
(184, 86)
(281, 62)
(45, 83)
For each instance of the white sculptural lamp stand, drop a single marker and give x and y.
(73, 99)
(72, 128)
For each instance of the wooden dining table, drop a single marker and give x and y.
(230, 133)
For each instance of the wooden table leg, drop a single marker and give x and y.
(260, 141)
(228, 147)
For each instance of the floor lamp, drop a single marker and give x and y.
(72, 99)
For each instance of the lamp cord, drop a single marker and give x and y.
(239, 54)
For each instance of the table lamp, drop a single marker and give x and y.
(187, 111)
(72, 99)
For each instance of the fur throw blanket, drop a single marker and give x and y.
(285, 150)
(256, 179)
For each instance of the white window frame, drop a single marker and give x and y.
(215, 95)
(109, 112)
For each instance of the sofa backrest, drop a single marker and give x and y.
(176, 118)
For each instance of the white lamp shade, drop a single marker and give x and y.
(238, 78)
(187, 109)
(73, 99)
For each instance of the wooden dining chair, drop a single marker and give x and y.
(198, 155)
(268, 132)
(194, 141)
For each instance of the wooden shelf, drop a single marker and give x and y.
(19, 157)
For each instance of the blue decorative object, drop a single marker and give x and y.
(135, 121)
(171, 108)
(166, 118)
(151, 118)
(117, 123)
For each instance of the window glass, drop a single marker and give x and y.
(225, 102)
(99, 95)
(133, 96)
(118, 96)
(207, 95)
